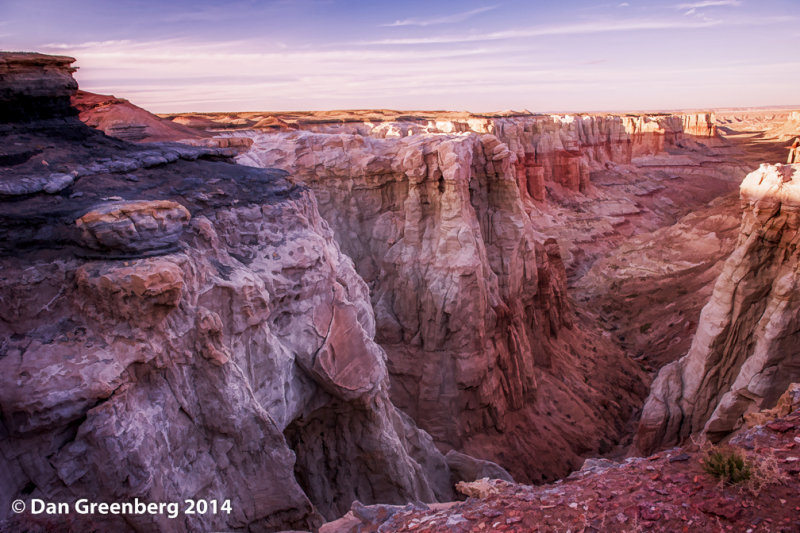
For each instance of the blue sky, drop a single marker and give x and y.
(460, 55)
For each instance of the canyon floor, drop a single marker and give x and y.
(320, 313)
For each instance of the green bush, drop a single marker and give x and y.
(728, 465)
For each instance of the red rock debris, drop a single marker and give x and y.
(667, 492)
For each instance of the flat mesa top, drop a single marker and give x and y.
(33, 58)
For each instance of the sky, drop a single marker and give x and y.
(475, 55)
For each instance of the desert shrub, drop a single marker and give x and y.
(728, 465)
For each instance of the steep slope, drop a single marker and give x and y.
(649, 291)
(665, 492)
(747, 346)
(173, 327)
(437, 210)
(471, 307)
(119, 118)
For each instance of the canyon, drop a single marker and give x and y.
(305, 313)
(173, 324)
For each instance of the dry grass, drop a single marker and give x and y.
(765, 472)
(732, 466)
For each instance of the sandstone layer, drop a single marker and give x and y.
(35, 86)
(119, 118)
(590, 181)
(549, 149)
(470, 301)
(747, 344)
(175, 326)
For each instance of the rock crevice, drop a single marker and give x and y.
(470, 301)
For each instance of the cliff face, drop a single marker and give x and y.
(471, 306)
(747, 347)
(173, 327)
(35, 86)
(564, 150)
(549, 149)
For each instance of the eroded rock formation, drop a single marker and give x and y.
(470, 302)
(172, 324)
(176, 327)
(35, 86)
(747, 347)
(549, 149)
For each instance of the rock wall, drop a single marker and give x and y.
(471, 308)
(551, 149)
(747, 347)
(172, 328)
(564, 149)
(700, 125)
(35, 86)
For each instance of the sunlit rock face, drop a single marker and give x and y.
(701, 125)
(173, 327)
(119, 118)
(470, 305)
(550, 149)
(747, 346)
(565, 149)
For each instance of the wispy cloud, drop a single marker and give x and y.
(86, 45)
(538, 31)
(623, 4)
(691, 8)
(709, 3)
(493, 66)
(447, 19)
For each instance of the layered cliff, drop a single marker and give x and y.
(747, 346)
(174, 326)
(549, 149)
(470, 303)
(35, 86)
